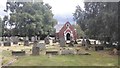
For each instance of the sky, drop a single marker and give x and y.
(62, 9)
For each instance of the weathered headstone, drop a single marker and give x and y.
(54, 41)
(52, 52)
(71, 44)
(67, 52)
(62, 42)
(7, 42)
(32, 39)
(83, 53)
(35, 50)
(75, 42)
(99, 47)
(18, 53)
(35, 39)
(47, 40)
(14, 39)
(26, 41)
(41, 46)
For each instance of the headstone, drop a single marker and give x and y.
(71, 44)
(41, 46)
(14, 40)
(18, 53)
(62, 42)
(47, 40)
(83, 53)
(51, 42)
(83, 42)
(115, 51)
(52, 52)
(35, 39)
(32, 39)
(99, 47)
(38, 38)
(7, 43)
(54, 41)
(35, 51)
(67, 52)
(26, 43)
(75, 42)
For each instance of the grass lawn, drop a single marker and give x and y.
(95, 59)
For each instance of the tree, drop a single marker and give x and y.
(0, 27)
(30, 19)
(99, 20)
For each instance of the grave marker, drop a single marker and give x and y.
(18, 53)
(41, 46)
(14, 39)
(67, 52)
(35, 51)
(47, 40)
(62, 42)
(26, 41)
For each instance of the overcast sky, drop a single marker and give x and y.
(62, 9)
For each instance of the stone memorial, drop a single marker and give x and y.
(99, 47)
(14, 39)
(75, 42)
(32, 39)
(62, 42)
(35, 50)
(54, 41)
(47, 40)
(41, 46)
(67, 52)
(7, 42)
(18, 53)
(52, 52)
(26, 41)
(83, 53)
(35, 39)
(71, 44)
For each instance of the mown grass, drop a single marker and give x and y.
(95, 59)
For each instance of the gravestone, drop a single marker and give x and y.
(62, 42)
(71, 44)
(54, 52)
(32, 39)
(7, 42)
(38, 38)
(26, 41)
(35, 50)
(54, 41)
(83, 53)
(75, 42)
(47, 40)
(41, 46)
(35, 39)
(67, 52)
(99, 47)
(14, 39)
(0, 43)
(18, 53)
